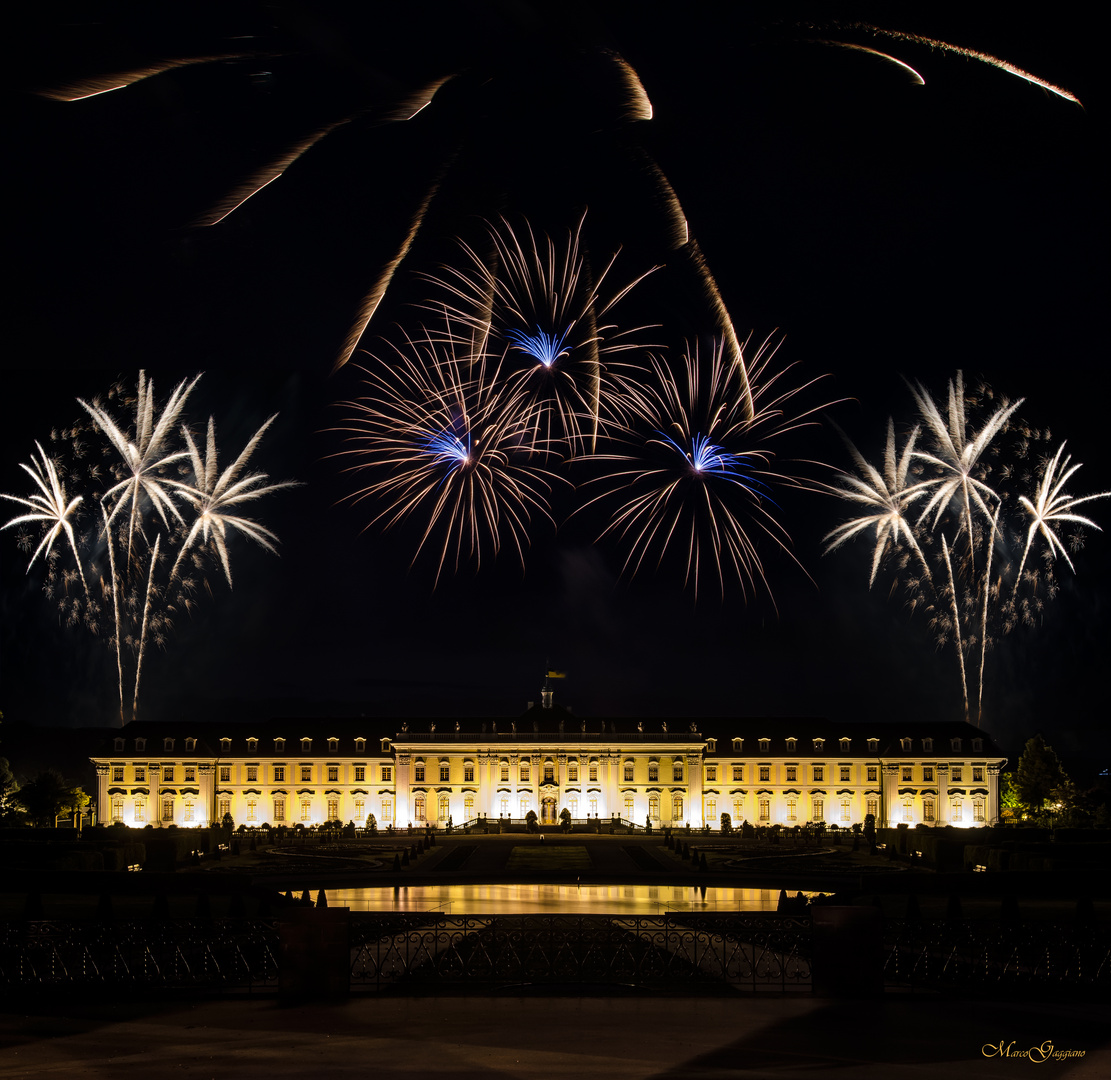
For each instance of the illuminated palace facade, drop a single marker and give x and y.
(672, 772)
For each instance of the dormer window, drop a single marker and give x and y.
(845, 743)
(279, 746)
(791, 744)
(190, 744)
(360, 746)
(333, 745)
(873, 746)
(977, 746)
(737, 744)
(140, 744)
(819, 744)
(118, 744)
(386, 746)
(712, 745)
(928, 745)
(905, 744)
(252, 746)
(225, 746)
(765, 745)
(306, 746)
(955, 745)
(167, 744)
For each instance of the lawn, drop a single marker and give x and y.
(545, 857)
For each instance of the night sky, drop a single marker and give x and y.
(888, 231)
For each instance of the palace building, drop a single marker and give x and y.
(669, 771)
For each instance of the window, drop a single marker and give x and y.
(654, 807)
(677, 772)
(418, 772)
(592, 772)
(818, 810)
(525, 804)
(252, 746)
(360, 746)
(306, 810)
(333, 808)
(791, 744)
(387, 810)
(360, 774)
(677, 808)
(653, 772)
(765, 745)
(737, 744)
(140, 744)
(908, 773)
(419, 808)
(908, 809)
(846, 772)
(279, 746)
(140, 810)
(306, 746)
(593, 804)
(572, 772)
(977, 774)
(927, 810)
(792, 773)
(333, 774)
(445, 772)
(711, 773)
(792, 809)
(118, 744)
(873, 746)
(167, 744)
(765, 809)
(977, 746)
(572, 805)
(928, 774)
(955, 745)
(765, 773)
(711, 811)
(168, 809)
(905, 744)
(712, 745)
(844, 809)
(225, 746)
(252, 774)
(629, 806)
(140, 774)
(167, 774)
(223, 808)
(117, 774)
(738, 809)
(468, 806)
(977, 809)
(190, 774)
(387, 774)
(957, 810)
(306, 774)
(738, 773)
(524, 772)
(333, 746)
(819, 744)
(844, 746)
(360, 809)
(873, 774)
(279, 774)
(628, 772)
(819, 773)
(468, 773)
(279, 809)
(872, 806)
(503, 772)
(252, 809)
(928, 745)
(956, 773)
(117, 808)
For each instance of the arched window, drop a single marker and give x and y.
(418, 808)
(573, 771)
(977, 809)
(468, 807)
(792, 808)
(957, 810)
(573, 805)
(653, 772)
(654, 807)
(630, 804)
(629, 770)
(444, 806)
(504, 771)
(189, 811)
(360, 809)
(738, 809)
(711, 809)
(168, 809)
(765, 809)
(306, 809)
(593, 806)
(677, 808)
(677, 771)
(504, 811)
(140, 809)
(524, 772)
(117, 808)
(333, 808)
(845, 809)
(908, 809)
(279, 809)
(524, 804)
(387, 811)
(927, 810)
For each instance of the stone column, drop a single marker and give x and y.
(206, 774)
(889, 797)
(991, 804)
(942, 794)
(561, 780)
(103, 802)
(403, 799)
(694, 789)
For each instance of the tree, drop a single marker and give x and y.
(1010, 805)
(530, 822)
(565, 819)
(726, 823)
(1039, 774)
(48, 795)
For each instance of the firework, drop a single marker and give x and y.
(693, 474)
(139, 522)
(450, 443)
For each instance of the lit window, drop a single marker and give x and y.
(468, 807)
(360, 774)
(525, 804)
(468, 773)
(593, 811)
(224, 808)
(445, 772)
(765, 773)
(167, 809)
(977, 809)
(306, 774)
(360, 809)
(628, 772)
(653, 772)
(418, 808)
(765, 809)
(957, 774)
(677, 808)
(872, 806)
(846, 772)
(252, 809)
(167, 774)
(190, 774)
(117, 808)
(711, 773)
(593, 772)
(927, 810)
(252, 774)
(503, 772)
(252, 746)
(387, 810)
(140, 774)
(117, 774)
(279, 774)
(418, 772)
(738, 772)
(629, 807)
(279, 809)
(333, 773)
(844, 809)
(653, 807)
(306, 810)
(677, 772)
(819, 773)
(387, 774)
(140, 810)
(873, 773)
(977, 774)
(738, 809)
(927, 774)
(908, 773)
(957, 810)
(524, 773)
(792, 809)
(818, 810)
(711, 811)
(333, 808)
(792, 773)
(908, 810)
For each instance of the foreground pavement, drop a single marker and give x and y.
(553, 1038)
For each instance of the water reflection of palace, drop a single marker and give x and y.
(669, 771)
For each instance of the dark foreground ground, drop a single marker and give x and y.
(557, 1038)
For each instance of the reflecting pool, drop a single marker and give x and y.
(555, 899)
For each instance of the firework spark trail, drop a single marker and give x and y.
(51, 506)
(1051, 504)
(215, 493)
(543, 298)
(143, 630)
(956, 621)
(115, 604)
(919, 81)
(452, 440)
(984, 617)
(697, 468)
